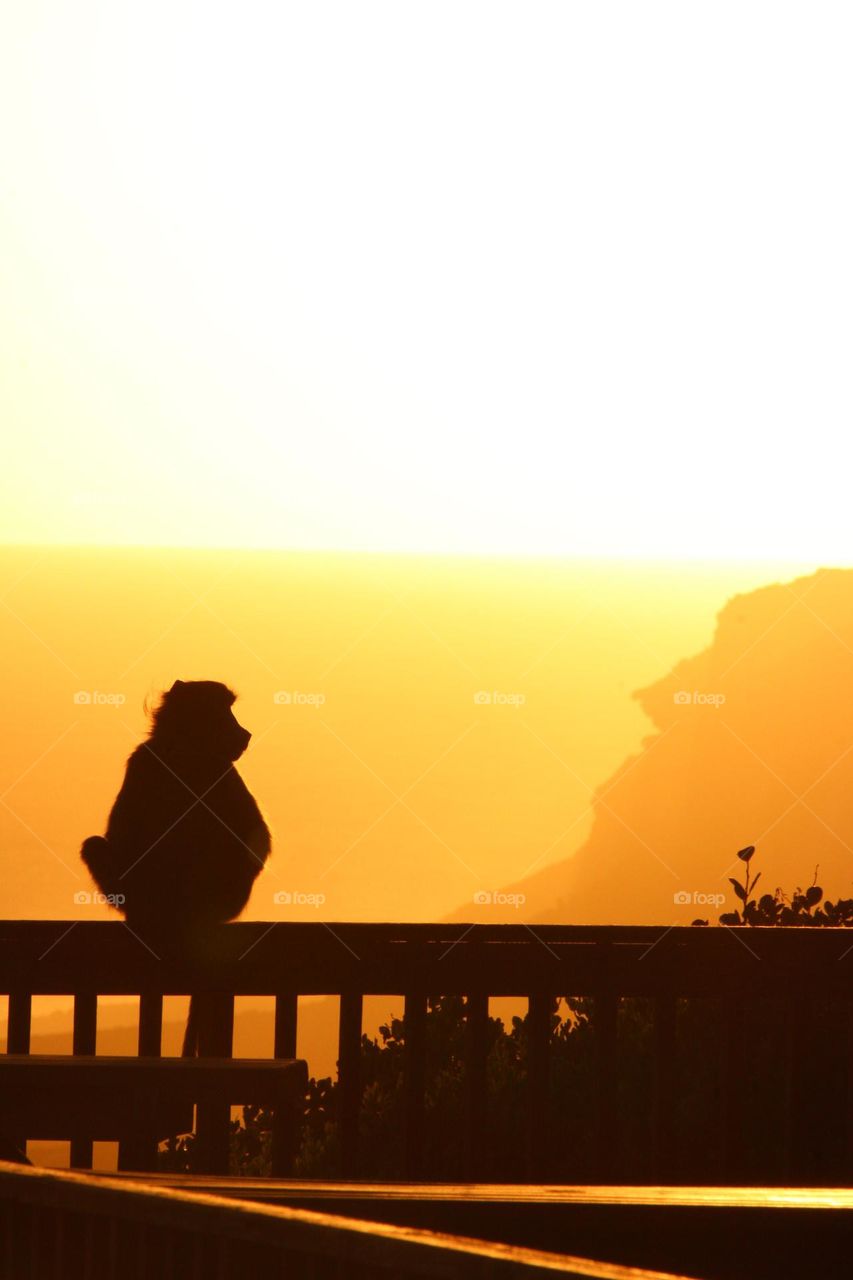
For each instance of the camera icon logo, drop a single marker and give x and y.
(682, 698)
(682, 899)
(82, 898)
(282, 898)
(282, 698)
(482, 898)
(82, 698)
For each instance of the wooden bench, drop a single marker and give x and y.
(139, 1101)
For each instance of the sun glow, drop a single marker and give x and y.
(448, 279)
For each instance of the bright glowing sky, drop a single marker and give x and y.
(565, 278)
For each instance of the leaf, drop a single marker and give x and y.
(738, 888)
(814, 895)
(746, 854)
(756, 880)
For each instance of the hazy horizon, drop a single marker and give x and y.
(398, 648)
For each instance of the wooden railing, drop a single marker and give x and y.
(730, 1233)
(736, 967)
(73, 1225)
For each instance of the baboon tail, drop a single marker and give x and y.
(97, 856)
(190, 1049)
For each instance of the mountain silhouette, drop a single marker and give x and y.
(753, 744)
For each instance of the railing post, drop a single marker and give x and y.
(18, 1039)
(286, 1007)
(539, 1009)
(215, 1040)
(287, 1117)
(138, 1150)
(476, 1047)
(349, 1080)
(606, 1006)
(414, 1023)
(150, 1024)
(799, 1047)
(665, 1084)
(84, 1041)
(20, 1022)
(733, 1067)
(847, 1149)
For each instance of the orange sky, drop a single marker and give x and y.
(448, 718)
(380, 277)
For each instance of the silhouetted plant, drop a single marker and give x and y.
(803, 909)
(574, 1071)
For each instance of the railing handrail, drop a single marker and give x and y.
(408, 1251)
(260, 958)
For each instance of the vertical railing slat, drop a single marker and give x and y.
(36, 1216)
(90, 1237)
(733, 1081)
(605, 1015)
(20, 1022)
(800, 1044)
(18, 1029)
(286, 1009)
(112, 1227)
(150, 1040)
(476, 1048)
(349, 1079)
(539, 1007)
(215, 1040)
(288, 1117)
(215, 1024)
(414, 1022)
(85, 1022)
(847, 1150)
(60, 1261)
(84, 1041)
(138, 1150)
(665, 1084)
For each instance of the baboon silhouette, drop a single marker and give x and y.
(185, 839)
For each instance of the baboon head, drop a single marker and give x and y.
(196, 716)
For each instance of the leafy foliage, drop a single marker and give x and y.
(805, 908)
(574, 1070)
